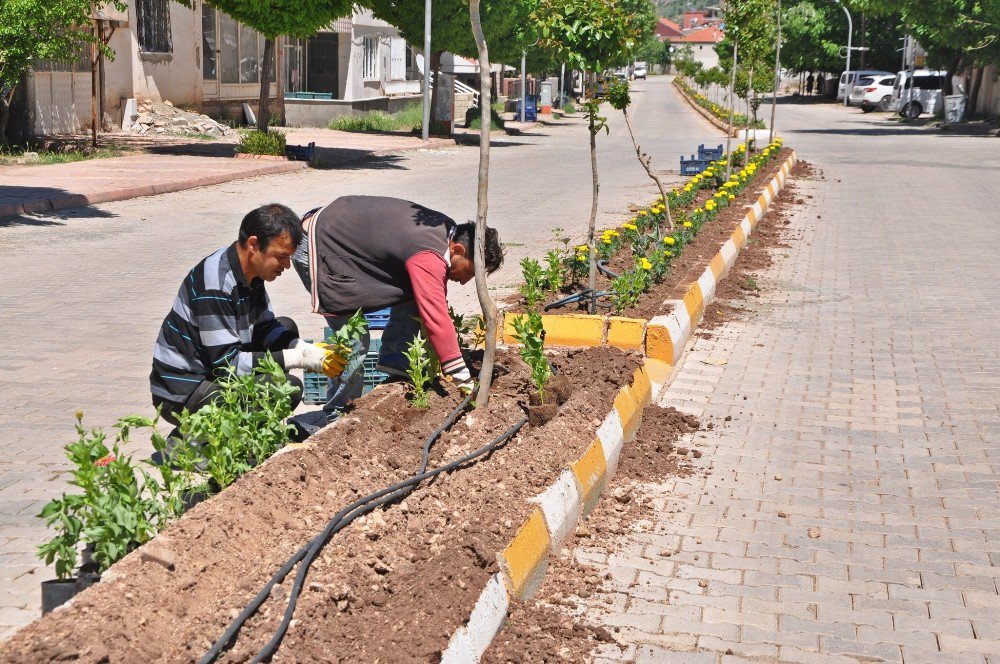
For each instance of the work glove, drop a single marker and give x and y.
(336, 359)
(463, 380)
(311, 357)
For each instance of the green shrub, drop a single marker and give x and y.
(408, 118)
(258, 142)
(569, 108)
(473, 119)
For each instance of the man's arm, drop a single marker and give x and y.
(214, 315)
(428, 274)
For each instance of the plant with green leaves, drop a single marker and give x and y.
(419, 371)
(530, 334)
(270, 142)
(627, 288)
(555, 276)
(242, 426)
(531, 289)
(118, 508)
(342, 341)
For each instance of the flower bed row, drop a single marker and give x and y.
(720, 112)
(643, 245)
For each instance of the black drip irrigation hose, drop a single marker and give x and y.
(342, 519)
(603, 267)
(586, 293)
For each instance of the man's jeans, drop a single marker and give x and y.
(402, 328)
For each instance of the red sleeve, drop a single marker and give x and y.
(429, 276)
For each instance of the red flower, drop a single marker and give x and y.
(103, 461)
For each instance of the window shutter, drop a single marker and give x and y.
(397, 59)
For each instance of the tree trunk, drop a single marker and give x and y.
(264, 102)
(592, 280)
(746, 139)
(5, 104)
(953, 66)
(436, 68)
(977, 82)
(645, 160)
(482, 204)
(732, 111)
(279, 81)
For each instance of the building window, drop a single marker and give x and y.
(239, 49)
(79, 64)
(153, 18)
(209, 45)
(369, 62)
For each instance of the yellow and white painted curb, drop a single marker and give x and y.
(573, 495)
(667, 335)
(558, 510)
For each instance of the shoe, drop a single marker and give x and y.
(394, 364)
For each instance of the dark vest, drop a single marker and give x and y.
(358, 248)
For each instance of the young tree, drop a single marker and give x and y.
(482, 205)
(620, 99)
(273, 18)
(593, 35)
(41, 29)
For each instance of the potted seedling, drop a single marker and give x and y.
(550, 390)
(531, 289)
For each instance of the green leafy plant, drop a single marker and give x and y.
(530, 334)
(468, 328)
(627, 288)
(118, 507)
(569, 108)
(419, 371)
(242, 426)
(343, 338)
(271, 142)
(531, 289)
(554, 271)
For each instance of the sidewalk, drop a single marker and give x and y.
(173, 167)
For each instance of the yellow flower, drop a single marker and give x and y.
(668, 253)
(731, 197)
(698, 211)
(710, 205)
(645, 264)
(607, 240)
(669, 240)
(642, 213)
(630, 227)
(687, 224)
(581, 259)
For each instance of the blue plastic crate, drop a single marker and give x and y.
(315, 384)
(711, 154)
(377, 320)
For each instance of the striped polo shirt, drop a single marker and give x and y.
(216, 321)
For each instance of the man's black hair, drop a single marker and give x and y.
(269, 222)
(465, 235)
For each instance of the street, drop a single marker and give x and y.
(864, 388)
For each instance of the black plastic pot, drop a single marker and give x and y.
(57, 592)
(192, 498)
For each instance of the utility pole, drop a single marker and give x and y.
(524, 84)
(732, 106)
(426, 131)
(850, 31)
(777, 76)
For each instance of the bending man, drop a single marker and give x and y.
(373, 252)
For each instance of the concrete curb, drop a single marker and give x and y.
(719, 124)
(572, 497)
(64, 201)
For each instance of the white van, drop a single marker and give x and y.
(849, 79)
(925, 95)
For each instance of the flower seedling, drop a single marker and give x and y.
(419, 371)
(626, 289)
(530, 334)
(531, 289)
(342, 339)
(554, 271)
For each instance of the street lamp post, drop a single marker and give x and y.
(850, 31)
(426, 129)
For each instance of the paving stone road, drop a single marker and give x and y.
(851, 512)
(83, 292)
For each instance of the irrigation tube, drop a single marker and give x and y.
(342, 519)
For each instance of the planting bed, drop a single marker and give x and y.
(394, 586)
(689, 265)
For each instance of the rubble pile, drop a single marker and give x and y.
(156, 117)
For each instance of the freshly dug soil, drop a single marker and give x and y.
(550, 628)
(689, 265)
(392, 587)
(771, 233)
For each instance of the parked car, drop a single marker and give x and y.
(921, 91)
(640, 70)
(872, 92)
(849, 79)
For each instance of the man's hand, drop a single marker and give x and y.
(463, 380)
(336, 359)
(313, 357)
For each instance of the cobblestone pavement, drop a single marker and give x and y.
(851, 510)
(84, 291)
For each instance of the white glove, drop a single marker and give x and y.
(303, 355)
(463, 379)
